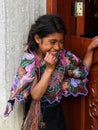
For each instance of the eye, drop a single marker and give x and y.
(62, 41)
(53, 41)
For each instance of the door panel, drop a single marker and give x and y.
(91, 112)
(90, 102)
(81, 113)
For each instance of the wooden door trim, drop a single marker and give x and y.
(51, 6)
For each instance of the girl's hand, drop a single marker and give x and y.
(93, 44)
(89, 53)
(50, 61)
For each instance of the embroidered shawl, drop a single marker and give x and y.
(69, 78)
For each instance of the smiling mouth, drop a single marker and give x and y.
(53, 53)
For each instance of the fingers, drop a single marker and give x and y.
(95, 38)
(94, 43)
(50, 61)
(50, 58)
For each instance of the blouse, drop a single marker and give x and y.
(68, 78)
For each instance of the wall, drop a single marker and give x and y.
(16, 17)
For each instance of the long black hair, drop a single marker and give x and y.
(43, 26)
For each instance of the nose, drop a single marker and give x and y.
(57, 46)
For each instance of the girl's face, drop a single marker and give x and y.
(52, 44)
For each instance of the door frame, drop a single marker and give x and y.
(51, 6)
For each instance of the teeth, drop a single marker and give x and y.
(53, 52)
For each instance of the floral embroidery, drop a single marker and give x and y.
(24, 77)
(69, 77)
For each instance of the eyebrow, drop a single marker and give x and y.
(56, 39)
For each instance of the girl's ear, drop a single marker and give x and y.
(37, 38)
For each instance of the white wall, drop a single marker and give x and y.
(16, 16)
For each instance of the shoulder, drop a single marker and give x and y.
(64, 53)
(69, 57)
(27, 58)
(69, 54)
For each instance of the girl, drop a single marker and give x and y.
(46, 73)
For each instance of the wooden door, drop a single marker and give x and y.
(81, 113)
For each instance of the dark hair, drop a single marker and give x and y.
(43, 26)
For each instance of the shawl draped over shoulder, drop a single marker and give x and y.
(69, 78)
